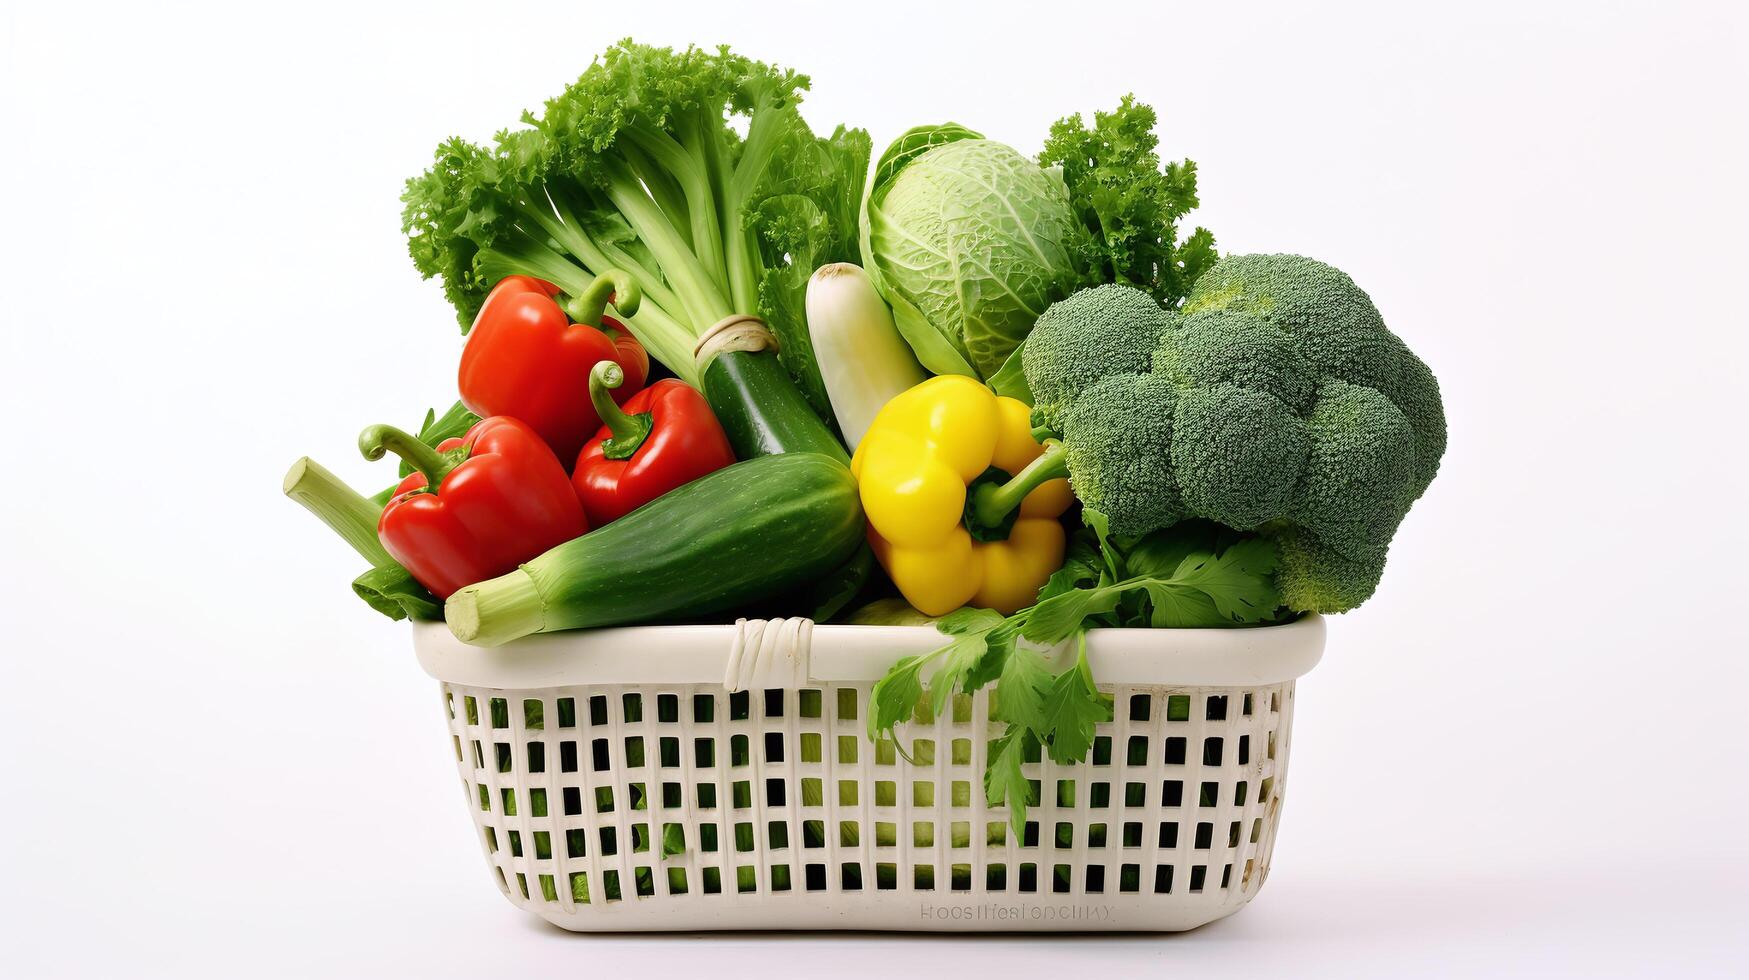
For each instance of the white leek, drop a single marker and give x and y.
(863, 360)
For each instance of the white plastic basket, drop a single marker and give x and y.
(616, 783)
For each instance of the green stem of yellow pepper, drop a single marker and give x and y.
(992, 502)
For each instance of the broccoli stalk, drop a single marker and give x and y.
(636, 167)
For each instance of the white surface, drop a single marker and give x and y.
(217, 761)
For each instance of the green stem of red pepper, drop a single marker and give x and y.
(613, 286)
(629, 431)
(375, 440)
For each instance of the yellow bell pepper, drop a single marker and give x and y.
(923, 453)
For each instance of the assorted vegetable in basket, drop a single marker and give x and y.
(718, 365)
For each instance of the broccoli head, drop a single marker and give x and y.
(1277, 401)
(1090, 335)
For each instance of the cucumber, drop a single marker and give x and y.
(762, 410)
(751, 531)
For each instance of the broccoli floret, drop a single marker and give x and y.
(1094, 333)
(1115, 434)
(1277, 402)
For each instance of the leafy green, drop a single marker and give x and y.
(637, 166)
(1128, 203)
(1196, 574)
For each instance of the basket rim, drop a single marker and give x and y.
(847, 654)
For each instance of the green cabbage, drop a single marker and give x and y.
(969, 242)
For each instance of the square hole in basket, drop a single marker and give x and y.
(961, 751)
(640, 838)
(632, 707)
(996, 833)
(959, 833)
(1211, 750)
(847, 749)
(1135, 794)
(923, 833)
(610, 886)
(491, 839)
(1272, 746)
(1244, 749)
(1216, 708)
(1175, 748)
(704, 753)
(509, 796)
(598, 756)
(704, 708)
(960, 793)
(774, 792)
(479, 756)
(598, 710)
(1065, 834)
(1102, 750)
(1210, 795)
(485, 797)
(923, 752)
(1233, 834)
(1139, 707)
(738, 751)
(1099, 796)
(707, 796)
(1066, 793)
(1096, 835)
(996, 877)
(534, 715)
(634, 754)
(813, 833)
(746, 878)
(813, 793)
(543, 845)
(886, 876)
(1137, 751)
(1205, 833)
(580, 887)
(1028, 877)
(1226, 876)
(1029, 834)
(744, 837)
(573, 801)
(713, 880)
(667, 708)
(1129, 878)
(522, 883)
(515, 843)
(962, 709)
(808, 706)
(922, 793)
(676, 881)
(886, 753)
(923, 877)
(774, 702)
(960, 877)
(537, 757)
(773, 747)
(1178, 707)
(886, 793)
(609, 842)
(643, 883)
(549, 889)
(1246, 710)
(576, 843)
(604, 799)
(815, 877)
(886, 833)
(1132, 834)
(1163, 879)
(850, 877)
(501, 755)
(567, 756)
(1256, 829)
(740, 706)
(741, 794)
(668, 749)
(1198, 877)
(849, 833)
(1239, 793)
(810, 747)
(1095, 879)
(567, 708)
(500, 713)
(847, 704)
(777, 835)
(847, 792)
(707, 838)
(1172, 793)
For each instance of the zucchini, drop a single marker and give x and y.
(751, 531)
(762, 410)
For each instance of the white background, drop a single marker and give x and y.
(1524, 756)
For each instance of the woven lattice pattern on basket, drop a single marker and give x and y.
(589, 797)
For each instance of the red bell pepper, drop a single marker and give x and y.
(665, 436)
(525, 359)
(475, 507)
